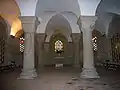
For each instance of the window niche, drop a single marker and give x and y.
(59, 47)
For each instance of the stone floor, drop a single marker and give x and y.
(60, 79)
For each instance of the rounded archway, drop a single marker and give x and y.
(58, 24)
(58, 41)
(10, 11)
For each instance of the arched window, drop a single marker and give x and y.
(59, 46)
(22, 44)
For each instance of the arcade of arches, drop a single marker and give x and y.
(58, 35)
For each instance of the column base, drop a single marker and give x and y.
(28, 74)
(89, 73)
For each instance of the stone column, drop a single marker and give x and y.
(76, 39)
(88, 71)
(28, 71)
(40, 41)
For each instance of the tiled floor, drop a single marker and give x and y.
(62, 79)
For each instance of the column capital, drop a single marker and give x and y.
(29, 23)
(87, 22)
(28, 19)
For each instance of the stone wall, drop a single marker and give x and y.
(78, 50)
(13, 52)
(43, 53)
(104, 49)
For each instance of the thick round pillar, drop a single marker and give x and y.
(88, 71)
(29, 71)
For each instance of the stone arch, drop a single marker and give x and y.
(57, 6)
(72, 18)
(67, 15)
(103, 21)
(9, 7)
(114, 25)
(58, 24)
(9, 11)
(24, 4)
(105, 12)
(109, 6)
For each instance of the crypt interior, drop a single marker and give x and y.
(79, 34)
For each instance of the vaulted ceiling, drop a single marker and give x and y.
(10, 10)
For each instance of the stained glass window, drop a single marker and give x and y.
(22, 44)
(59, 46)
(94, 40)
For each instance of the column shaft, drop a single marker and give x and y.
(29, 51)
(29, 71)
(88, 71)
(87, 49)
